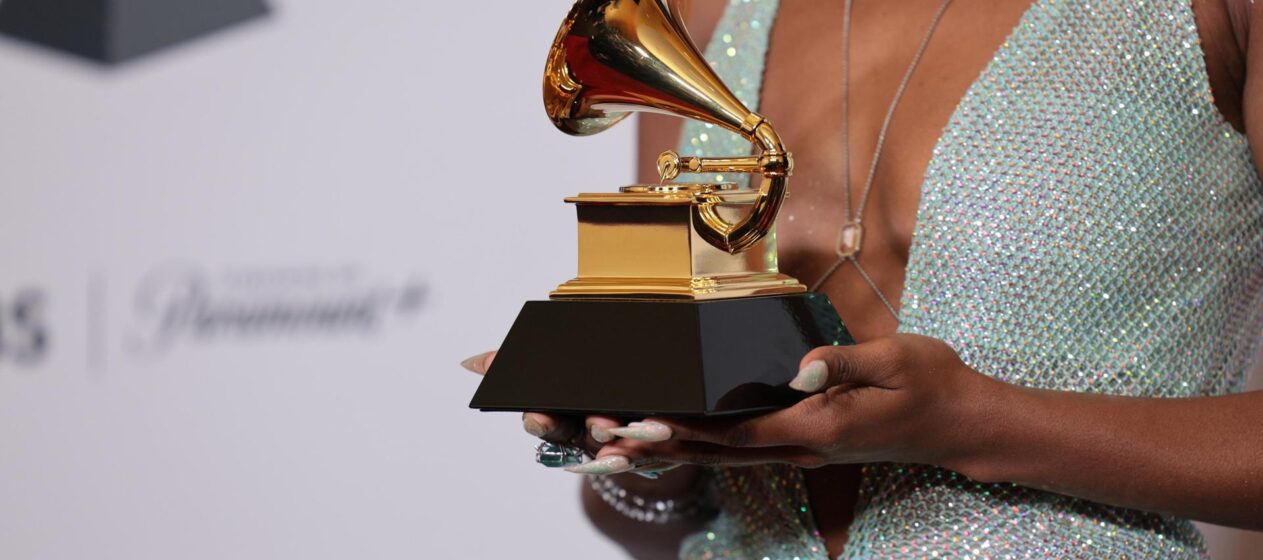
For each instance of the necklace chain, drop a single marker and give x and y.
(851, 232)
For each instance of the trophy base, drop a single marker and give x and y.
(636, 358)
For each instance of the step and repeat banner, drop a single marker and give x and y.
(241, 256)
(243, 247)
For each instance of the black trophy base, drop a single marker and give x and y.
(640, 358)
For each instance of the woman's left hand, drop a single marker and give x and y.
(902, 398)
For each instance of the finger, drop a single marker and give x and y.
(615, 464)
(644, 431)
(596, 434)
(654, 470)
(632, 455)
(552, 428)
(599, 429)
(791, 426)
(480, 363)
(832, 366)
(610, 464)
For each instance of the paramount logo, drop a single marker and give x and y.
(191, 306)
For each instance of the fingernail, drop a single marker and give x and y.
(533, 427)
(644, 431)
(613, 464)
(651, 475)
(601, 435)
(476, 364)
(812, 377)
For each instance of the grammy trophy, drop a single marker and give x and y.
(678, 307)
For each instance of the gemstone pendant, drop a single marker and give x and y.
(849, 239)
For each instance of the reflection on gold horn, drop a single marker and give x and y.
(612, 57)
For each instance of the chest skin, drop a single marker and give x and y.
(802, 96)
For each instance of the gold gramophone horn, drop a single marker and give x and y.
(612, 57)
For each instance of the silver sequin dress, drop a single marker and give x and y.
(1088, 222)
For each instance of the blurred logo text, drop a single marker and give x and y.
(23, 332)
(190, 305)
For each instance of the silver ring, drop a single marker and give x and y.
(554, 455)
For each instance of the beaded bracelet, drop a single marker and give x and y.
(648, 510)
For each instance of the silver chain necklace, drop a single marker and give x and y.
(851, 234)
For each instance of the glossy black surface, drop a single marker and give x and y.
(637, 358)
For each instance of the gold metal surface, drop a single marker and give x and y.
(683, 188)
(612, 57)
(700, 289)
(667, 195)
(644, 242)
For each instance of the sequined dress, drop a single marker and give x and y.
(1088, 222)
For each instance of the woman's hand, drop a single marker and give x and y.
(642, 540)
(901, 398)
(590, 433)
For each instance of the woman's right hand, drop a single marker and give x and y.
(589, 432)
(642, 540)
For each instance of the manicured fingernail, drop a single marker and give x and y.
(644, 431)
(533, 427)
(613, 464)
(651, 475)
(812, 377)
(601, 435)
(476, 364)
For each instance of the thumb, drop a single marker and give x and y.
(830, 366)
(480, 363)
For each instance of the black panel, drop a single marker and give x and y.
(636, 358)
(752, 347)
(597, 356)
(117, 30)
(146, 25)
(73, 26)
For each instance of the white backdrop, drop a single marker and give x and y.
(255, 261)
(236, 279)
